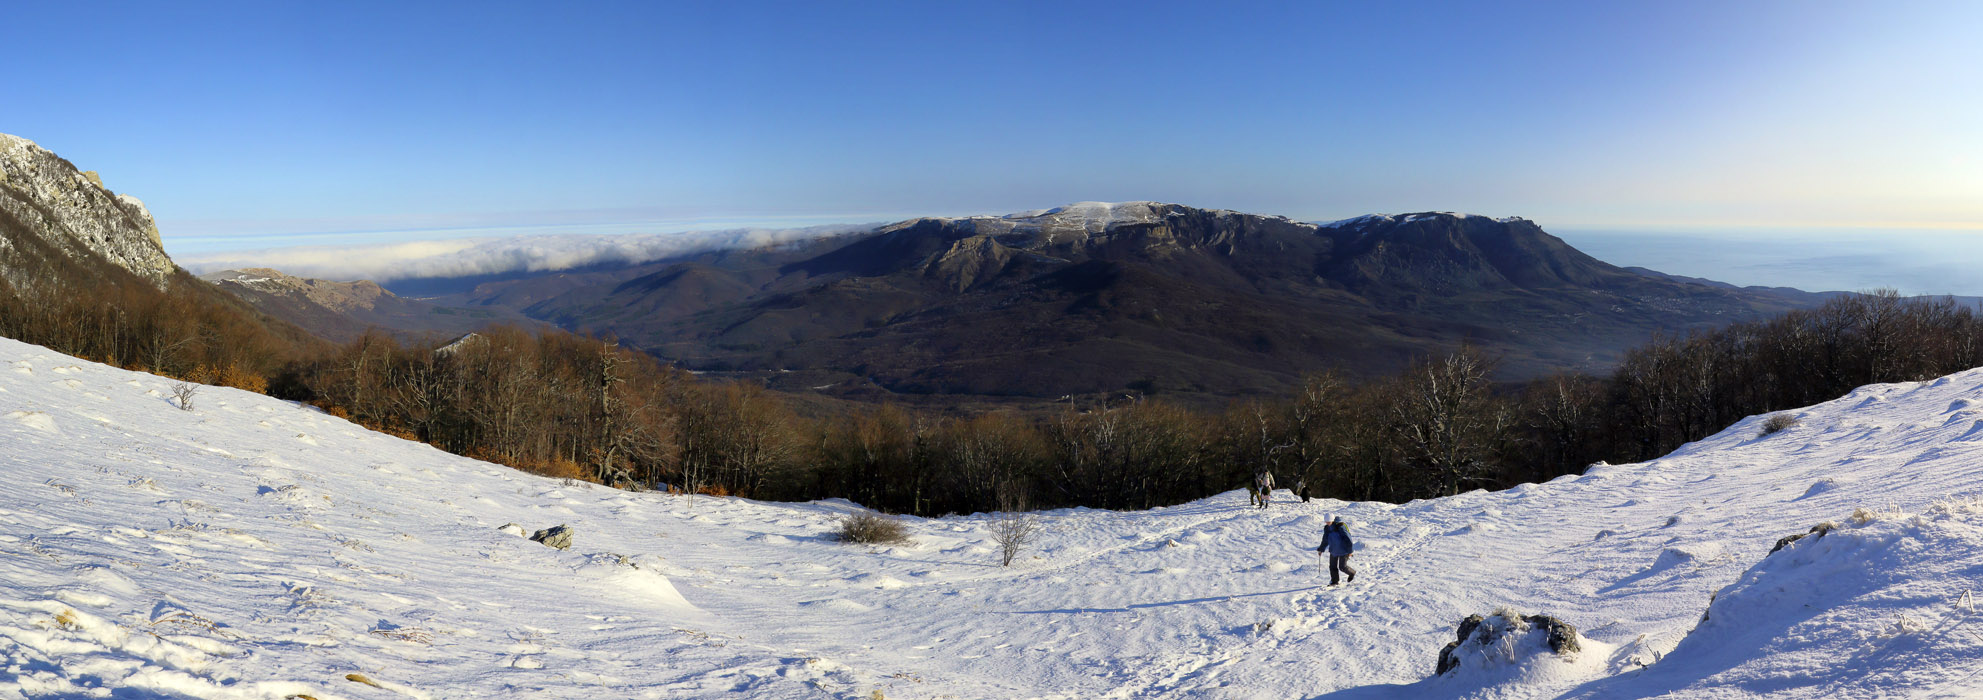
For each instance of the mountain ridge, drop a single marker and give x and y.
(1141, 296)
(343, 311)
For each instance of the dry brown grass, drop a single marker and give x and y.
(180, 621)
(360, 678)
(1776, 424)
(406, 634)
(868, 527)
(235, 376)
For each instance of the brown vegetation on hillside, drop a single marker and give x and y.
(579, 407)
(187, 331)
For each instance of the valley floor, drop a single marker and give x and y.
(254, 548)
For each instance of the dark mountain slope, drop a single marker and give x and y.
(1149, 297)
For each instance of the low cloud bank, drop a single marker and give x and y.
(471, 257)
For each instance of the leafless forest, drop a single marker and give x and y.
(579, 407)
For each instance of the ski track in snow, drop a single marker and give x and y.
(253, 548)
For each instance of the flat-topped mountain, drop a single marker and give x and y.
(1139, 297)
(341, 311)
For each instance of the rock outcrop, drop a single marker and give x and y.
(555, 537)
(336, 296)
(51, 210)
(1820, 530)
(1507, 637)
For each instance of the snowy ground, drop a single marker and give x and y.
(254, 548)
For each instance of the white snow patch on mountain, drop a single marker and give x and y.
(1357, 221)
(254, 548)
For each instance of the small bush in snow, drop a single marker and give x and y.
(185, 392)
(412, 635)
(1012, 532)
(1775, 424)
(868, 527)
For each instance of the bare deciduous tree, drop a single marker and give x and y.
(184, 393)
(1012, 527)
(1449, 426)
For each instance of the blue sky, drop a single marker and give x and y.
(262, 124)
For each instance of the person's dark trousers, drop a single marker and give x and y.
(1341, 564)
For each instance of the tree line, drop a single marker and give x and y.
(188, 330)
(580, 407)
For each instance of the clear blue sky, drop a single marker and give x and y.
(246, 124)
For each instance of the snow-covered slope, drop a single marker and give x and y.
(254, 548)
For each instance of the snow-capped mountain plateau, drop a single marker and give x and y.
(231, 545)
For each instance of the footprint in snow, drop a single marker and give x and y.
(36, 420)
(836, 605)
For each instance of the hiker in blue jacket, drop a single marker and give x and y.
(1336, 540)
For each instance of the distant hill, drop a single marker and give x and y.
(341, 311)
(1138, 297)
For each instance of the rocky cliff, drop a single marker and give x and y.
(52, 214)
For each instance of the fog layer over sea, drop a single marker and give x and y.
(1914, 261)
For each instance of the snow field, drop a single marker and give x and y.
(252, 548)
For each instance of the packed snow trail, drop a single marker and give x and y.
(254, 548)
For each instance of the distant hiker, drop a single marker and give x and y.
(1264, 483)
(1301, 489)
(1336, 541)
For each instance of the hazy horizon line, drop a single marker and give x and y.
(283, 233)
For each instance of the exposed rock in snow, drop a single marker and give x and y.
(1507, 638)
(513, 529)
(555, 537)
(1817, 530)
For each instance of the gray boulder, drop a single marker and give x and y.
(556, 538)
(1819, 530)
(1481, 632)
